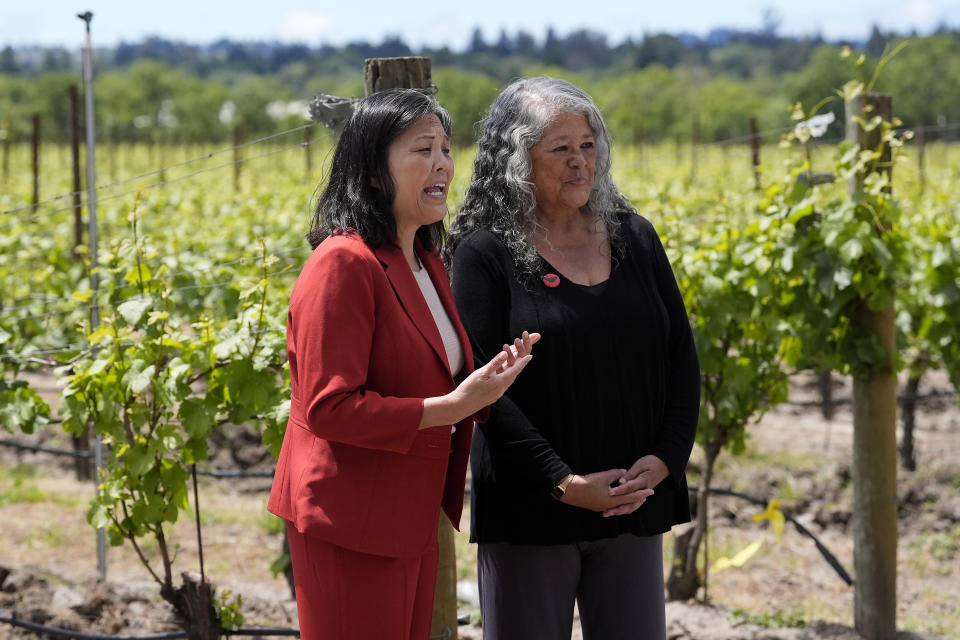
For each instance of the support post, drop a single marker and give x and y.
(755, 152)
(92, 238)
(308, 151)
(7, 135)
(35, 153)
(237, 158)
(414, 73)
(75, 157)
(874, 436)
(921, 164)
(411, 72)
(694, 143)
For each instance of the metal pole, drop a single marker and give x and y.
(92, 232)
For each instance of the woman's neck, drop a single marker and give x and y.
(405, 240)
(554, 225)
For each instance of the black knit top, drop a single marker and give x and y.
(614, 377)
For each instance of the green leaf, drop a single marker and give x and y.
(851, 250)
(138, 380)
(133, 309)
(98, 516)
(139, 460)
(140, 273)
(197, 417)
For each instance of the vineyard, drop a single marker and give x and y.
(199, 248)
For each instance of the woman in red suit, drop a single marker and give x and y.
(384, 394)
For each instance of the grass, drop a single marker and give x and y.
(48, 535)
(789, 619)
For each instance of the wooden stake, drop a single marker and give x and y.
(414, 73)
(874, 438)
(77, 186)
(411, 72)
(308, 151)
(755, 152)
(35, 150)
(237, 158)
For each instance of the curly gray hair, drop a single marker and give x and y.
(501, 196)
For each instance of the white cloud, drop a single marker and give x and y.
(305, 26)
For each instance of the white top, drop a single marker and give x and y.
(451, 343)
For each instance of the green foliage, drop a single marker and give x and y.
(229, 612)
(19, 491)
(777, 620)
(154, 385)
(840, 253)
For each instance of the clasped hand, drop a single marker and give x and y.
(617, 492)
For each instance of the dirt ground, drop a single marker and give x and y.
(48, 560)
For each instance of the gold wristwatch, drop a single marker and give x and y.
(561, 488)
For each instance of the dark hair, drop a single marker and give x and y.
(350, 201)
(501, 197)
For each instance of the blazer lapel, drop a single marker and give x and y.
(411, 298)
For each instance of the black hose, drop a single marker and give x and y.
(829, 557)
(57, 632)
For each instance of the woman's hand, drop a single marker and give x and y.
(644, 475)
(482, 387)
(593, 492)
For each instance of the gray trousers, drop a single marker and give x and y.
(527, 592)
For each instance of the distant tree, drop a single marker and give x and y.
(650, 104)
(825, 74)
(8, 61)
(663, 49)
(924, 80)
(477, 43)
(771, 21)
(525, 44)
(554, 52)
(467, 96)
(877, 42)
(392, 46)
(55, 59)
(587, 49)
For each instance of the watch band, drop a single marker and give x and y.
(561, 488)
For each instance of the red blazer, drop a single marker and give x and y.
(364, 351)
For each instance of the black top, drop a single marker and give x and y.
(614, 377)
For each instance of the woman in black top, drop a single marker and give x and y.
(580, 468)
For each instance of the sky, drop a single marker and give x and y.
(449, 22)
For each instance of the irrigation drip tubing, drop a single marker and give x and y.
(827, 555)
(57, 632)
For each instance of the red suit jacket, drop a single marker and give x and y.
(364, 351)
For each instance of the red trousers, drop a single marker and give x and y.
(348, 595)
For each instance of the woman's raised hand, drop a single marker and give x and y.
(485, 385)
(482, 387)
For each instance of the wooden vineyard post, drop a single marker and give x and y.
(874, 436)
(75, 156)
(308, 151)
(396, 73)
(755, 153)
(35, 151)
(414, 73)
(237, 158)
(694, 143)
(7, 135)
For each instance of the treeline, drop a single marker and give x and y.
(661, 87)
